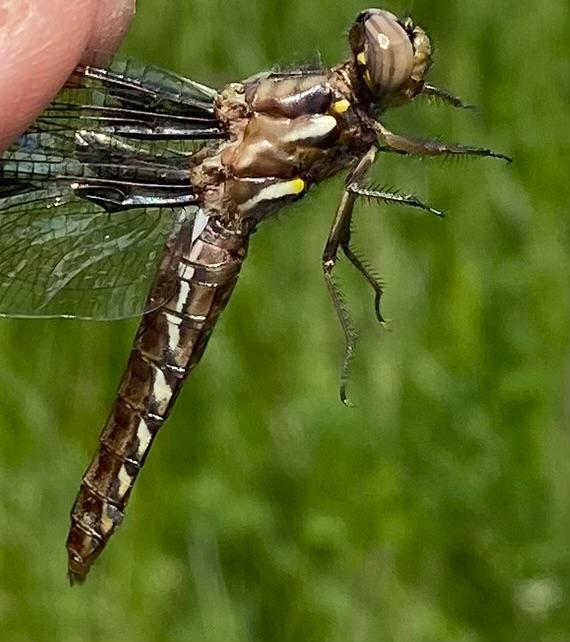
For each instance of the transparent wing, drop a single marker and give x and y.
(93, 194)
(59, 257)
(125, 97)
(84, 219)
(92, 157)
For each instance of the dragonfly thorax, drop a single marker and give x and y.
(286, 132)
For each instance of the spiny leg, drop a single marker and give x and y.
(350, 336)
(392, 197)
(339, 236)
(417, 147)
(364, 269)
(345, 242)
(431, 91)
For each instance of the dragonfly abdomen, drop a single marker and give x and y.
(169, 344)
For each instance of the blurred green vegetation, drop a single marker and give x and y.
(437, 509)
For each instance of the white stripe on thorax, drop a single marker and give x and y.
(317, 126)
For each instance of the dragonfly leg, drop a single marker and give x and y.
(362, 266)
(444, 96)
(417, 147)
(390, 197)
(359, 263)
(350, 336)
(339, 236)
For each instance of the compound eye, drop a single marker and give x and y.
(383, 47)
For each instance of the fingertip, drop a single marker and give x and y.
(111, 23)
(40, 43)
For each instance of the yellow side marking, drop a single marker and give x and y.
(361, 58)
(368, 79)
(297, 185)
(275, 192)
(340, 106)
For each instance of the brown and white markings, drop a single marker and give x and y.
(109, 208)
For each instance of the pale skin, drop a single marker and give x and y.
(41, 41)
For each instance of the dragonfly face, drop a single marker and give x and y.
(112, 205)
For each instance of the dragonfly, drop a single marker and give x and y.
(137, 191)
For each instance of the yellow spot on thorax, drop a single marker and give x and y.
(297, 185)
(275, 191)
(361, 58)
(340, 106)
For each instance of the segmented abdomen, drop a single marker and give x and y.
(168, 345)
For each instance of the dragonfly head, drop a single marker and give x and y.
(391, 56)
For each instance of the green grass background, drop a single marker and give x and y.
(438, 508)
